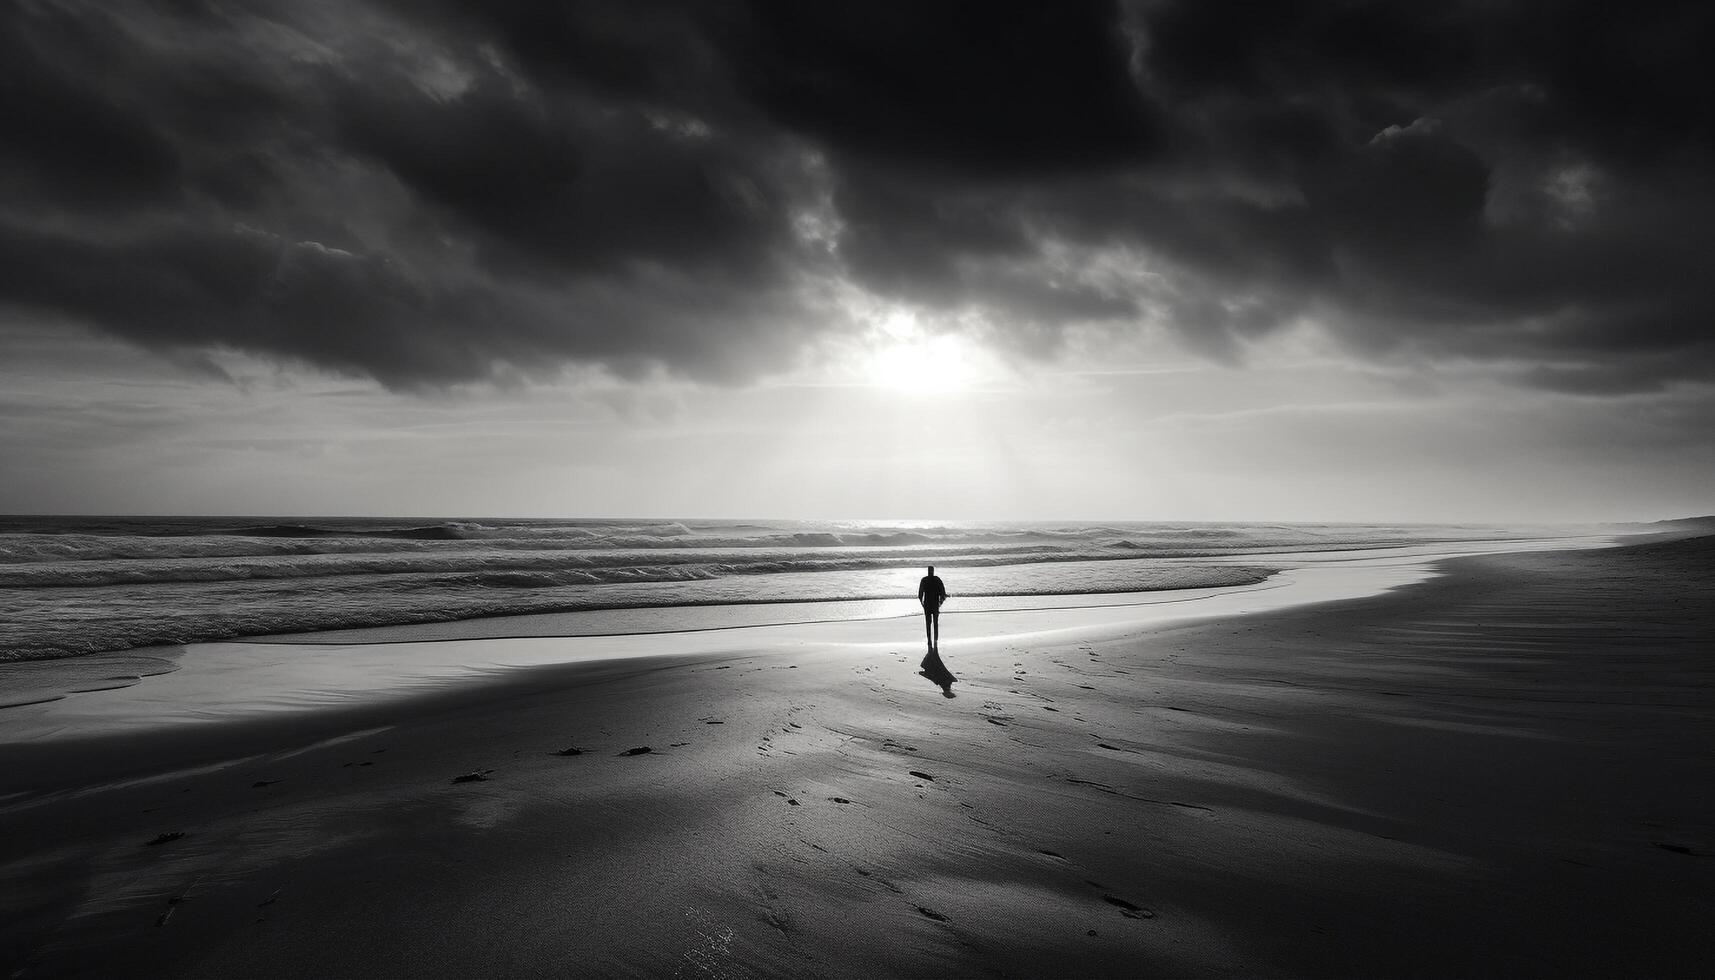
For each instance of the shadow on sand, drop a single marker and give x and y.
(937, 673)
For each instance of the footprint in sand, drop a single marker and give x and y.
(920, 775)
(640, 750)
(478, 776)
(166, 838)
(1127, 909)
(172, 903)
(930, 913)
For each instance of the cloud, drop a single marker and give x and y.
(970, 90)
(434, 193)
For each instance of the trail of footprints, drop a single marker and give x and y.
(993, 712)
(780, 919)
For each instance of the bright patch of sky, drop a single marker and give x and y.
(1144, 433)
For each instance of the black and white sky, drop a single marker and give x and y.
(1154, 260)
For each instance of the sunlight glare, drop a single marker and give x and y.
(907, 359)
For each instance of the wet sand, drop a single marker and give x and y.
(1502, 771)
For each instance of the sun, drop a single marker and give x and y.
(928, 365)
(903, 357)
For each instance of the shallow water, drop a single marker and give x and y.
(231, 680)
(73, 586)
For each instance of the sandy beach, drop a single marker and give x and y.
(473, 477)
(1503, 770)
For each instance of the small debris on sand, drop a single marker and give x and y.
(640, 750)
(166, 838)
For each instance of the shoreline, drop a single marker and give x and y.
(331, 670)
(1501, 770)
(567, 622)
(110, 596)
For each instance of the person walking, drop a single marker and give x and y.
(931, 592)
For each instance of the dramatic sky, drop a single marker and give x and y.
(1200, 260)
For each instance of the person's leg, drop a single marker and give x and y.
(928, 627)
(935, 631)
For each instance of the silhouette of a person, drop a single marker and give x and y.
(931, 592)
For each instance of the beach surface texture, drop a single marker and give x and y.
(1502, 768)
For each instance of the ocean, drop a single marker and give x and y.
(71, 586)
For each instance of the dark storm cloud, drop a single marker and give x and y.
(65, 136)
(572, 194)
(435, 192)
(972, 89)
